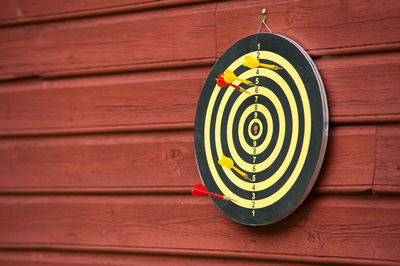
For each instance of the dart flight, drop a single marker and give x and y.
(252, 62)
(221, 83)
(228, 163)
(230, 77)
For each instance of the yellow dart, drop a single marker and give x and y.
(252, 62)
(228, 163)
(230, 77)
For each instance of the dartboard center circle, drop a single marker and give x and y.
(255, 128)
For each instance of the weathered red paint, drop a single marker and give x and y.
(96, 165)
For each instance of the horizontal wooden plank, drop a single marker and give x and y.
(162, 162)
(22, 11)
(103, 103)
(44, 258)
(323, 229)
(321, 27)
(96, 163)
(359, 89)
(349, 161)
(362, 88)
(110, 42)
(387, 173)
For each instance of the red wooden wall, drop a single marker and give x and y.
(96, 133)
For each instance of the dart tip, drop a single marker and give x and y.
(243, 90)
(229, 199)
(246, 177)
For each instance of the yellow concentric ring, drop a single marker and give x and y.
(259, 203)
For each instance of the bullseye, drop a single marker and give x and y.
(255, 127)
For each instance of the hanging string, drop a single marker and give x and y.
(262, 20)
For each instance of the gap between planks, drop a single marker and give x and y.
(197, 253)
(91, 12)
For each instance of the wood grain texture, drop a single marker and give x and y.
(387, 173)
(127, 40)
(139, 101)
(321, 27)
(65, 258)
(23, 11)
(94, 163)
(161, 162)
(349, 161)
(360, 89)
(102, 44)
(323, 229)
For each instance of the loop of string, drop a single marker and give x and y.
(262, 21)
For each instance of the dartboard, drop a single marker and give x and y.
(261, 128)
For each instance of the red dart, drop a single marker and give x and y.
(222, 83)
(199, 190)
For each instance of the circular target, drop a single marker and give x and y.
(261, 128)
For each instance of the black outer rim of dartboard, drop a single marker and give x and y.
(319, 127)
